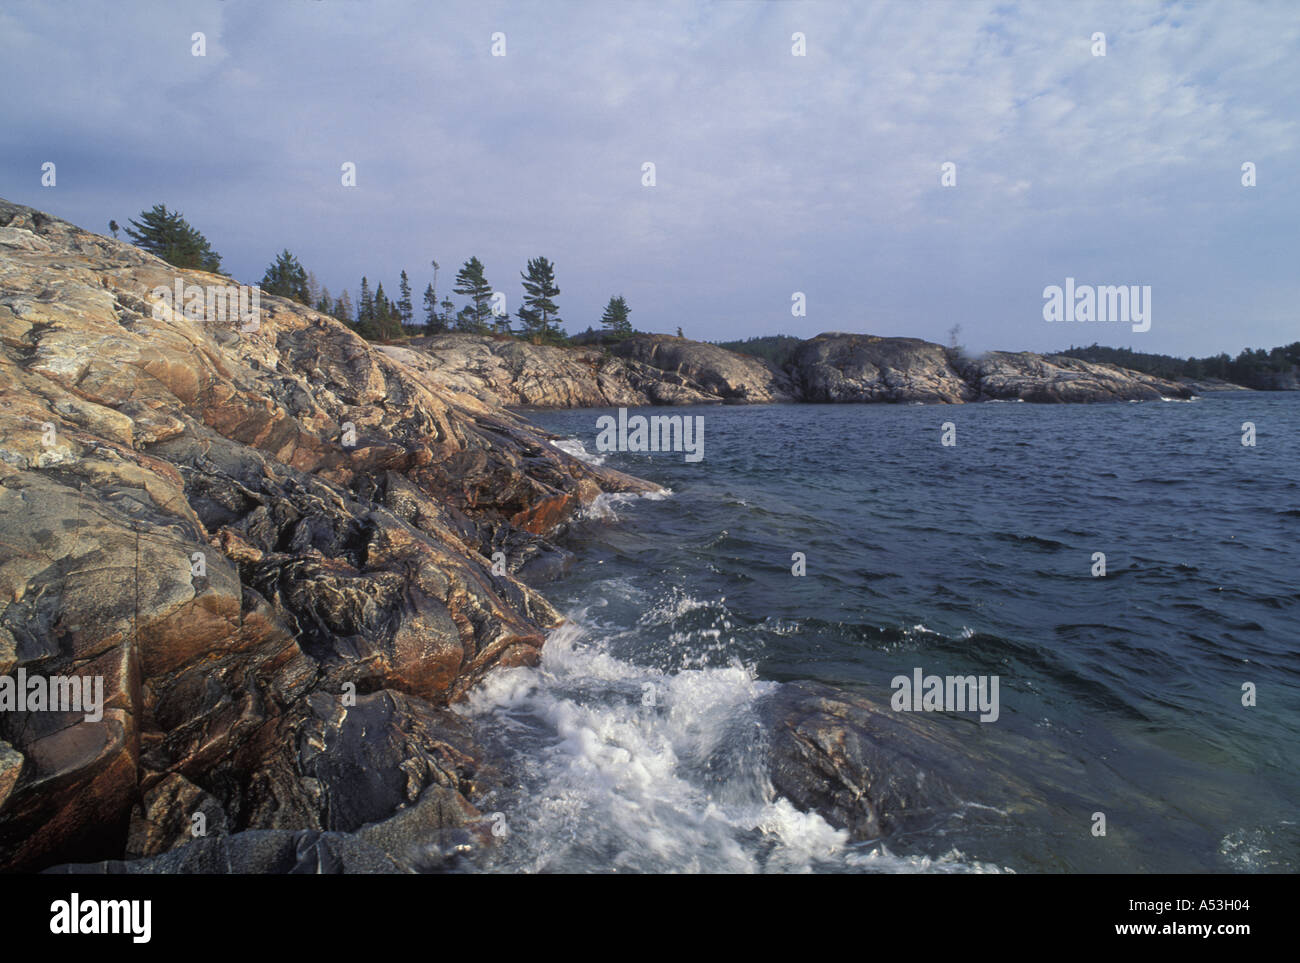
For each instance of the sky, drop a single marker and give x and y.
(774, 173)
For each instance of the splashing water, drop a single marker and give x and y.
(618, 767)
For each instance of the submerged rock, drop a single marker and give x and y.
(879, 773)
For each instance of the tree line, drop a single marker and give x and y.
(1251, 368)
(375, 315)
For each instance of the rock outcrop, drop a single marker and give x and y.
(838, 367)
(644, 370)
(273, 546)
(1058, 378)
(830, 368)
(881, 774)
(726, 375)
(861, 367)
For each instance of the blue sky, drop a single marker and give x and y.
(775, 173)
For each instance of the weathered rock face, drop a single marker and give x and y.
(833, 367)
(644, 370)
(706, 368)
(861, 367)
(266, 543)
(858, 367)
(1057, 378)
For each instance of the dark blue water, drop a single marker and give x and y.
(971, 559)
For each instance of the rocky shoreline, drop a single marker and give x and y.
(276, 548)
(288, 552)
(652, 369)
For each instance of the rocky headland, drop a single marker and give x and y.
(651, 369)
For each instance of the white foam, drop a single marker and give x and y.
(602, 506)
(601, 781)
(880, 859)
(574, 447)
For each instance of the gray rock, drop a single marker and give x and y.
(860, 367)
(880, 773)
(1057, 378)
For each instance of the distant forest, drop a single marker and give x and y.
(775, 348)
(1252, 368)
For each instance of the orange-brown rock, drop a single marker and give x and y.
(267, 543)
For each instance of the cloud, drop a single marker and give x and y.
(775, 173)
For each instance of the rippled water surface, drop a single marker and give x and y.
(973, 559)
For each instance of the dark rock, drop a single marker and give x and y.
(876, 772)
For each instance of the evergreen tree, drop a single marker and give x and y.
(387, 322)
(432, 323)
(286, 278)
(168, 235)
(405, 310)
(112, 226)
(343, 309)
(366, 306)
(467, 319)
(615, 317)
(471, 282)
(324, 303)
(538, 312)
(381, 312)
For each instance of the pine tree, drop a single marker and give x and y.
(112, 226)
(324, 303)
(286, 278)
(366, 307)
(466, 319)
(432, 323)
(343, 309)
(615, 318)
(387, 321)
(405, 310)
(539, 306)
(168, 235)
(471, 282)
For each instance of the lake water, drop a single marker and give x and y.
(975, 558)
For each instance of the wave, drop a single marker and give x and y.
(623, 767)
(602, 507)
(574, 447)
